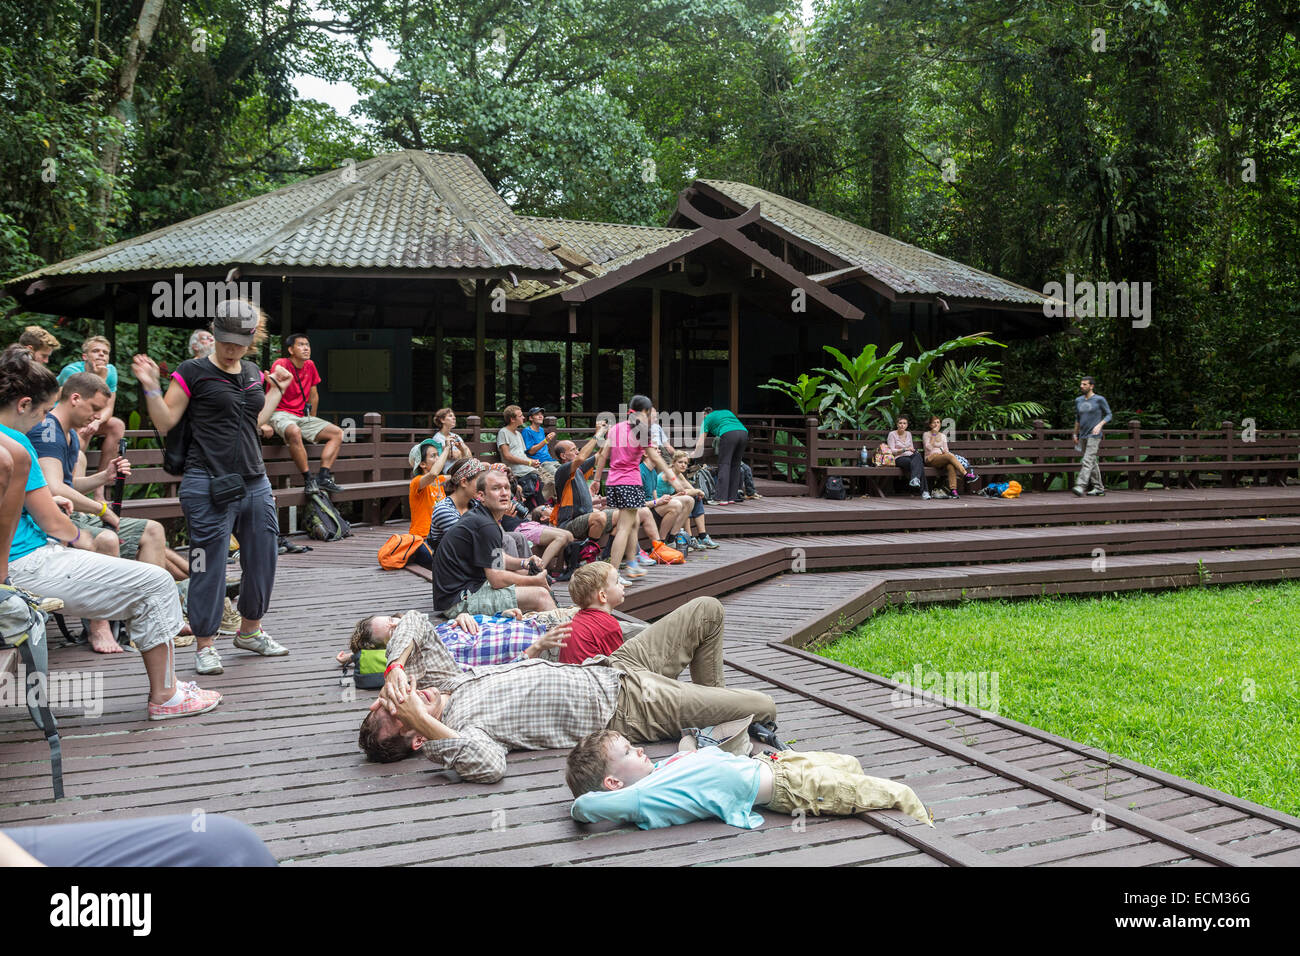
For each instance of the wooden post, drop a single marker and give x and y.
(110, 333)
(1039, 480)
(733, 357)
(480, 343)
(474, 425)
(1229, 476)
(374, 423)
(142, 327)
(810, 439)
(654, 344)
(286, 321)
(568, 371)
(1135, 436)
(438, 392)
(511, 397)
(592, 397)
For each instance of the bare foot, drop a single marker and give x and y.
(104, 644)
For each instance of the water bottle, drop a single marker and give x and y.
(864, 458)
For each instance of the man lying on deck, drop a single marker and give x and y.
(468, 721)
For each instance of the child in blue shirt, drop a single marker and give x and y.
(615, 781)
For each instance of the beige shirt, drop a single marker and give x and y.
(935, 443)
(900, 445)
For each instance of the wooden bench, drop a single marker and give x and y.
(1036, 454)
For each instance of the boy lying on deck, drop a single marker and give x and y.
(475, 640)
(615, 781)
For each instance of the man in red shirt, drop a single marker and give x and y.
(597, 590)
(293, 420)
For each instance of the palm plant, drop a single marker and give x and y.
(912, 370)
(803, 391)
(852, 393)
(968, 392)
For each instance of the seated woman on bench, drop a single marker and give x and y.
(909, 461)
(938, 455)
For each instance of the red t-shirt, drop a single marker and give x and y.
(595, 632)
(304, 380)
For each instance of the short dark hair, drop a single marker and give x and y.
(1089, 379)
(293, 337)
(377, 741)
(640, 403)
(85, 384)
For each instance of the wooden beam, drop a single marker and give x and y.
(142, 326)
(110, 331)
(654, 342)
(733, 356)
(438, 392)
(511, 397)
(480, 343)
(592, 401)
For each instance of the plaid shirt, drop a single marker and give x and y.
(524, 705)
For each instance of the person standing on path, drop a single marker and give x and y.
(1091, 413)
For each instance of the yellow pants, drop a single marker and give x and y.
(819, 782)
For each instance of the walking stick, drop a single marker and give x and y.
(119, 483)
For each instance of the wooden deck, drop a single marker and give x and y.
(280, 752)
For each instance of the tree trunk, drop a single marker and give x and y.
(123, 94)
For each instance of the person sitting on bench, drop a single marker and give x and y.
(469, 721)
(615, 781)
(906, 457)
(295, 419)
(938, 455)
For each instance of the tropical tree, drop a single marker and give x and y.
(853, 391)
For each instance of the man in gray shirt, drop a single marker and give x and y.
(1091, 413)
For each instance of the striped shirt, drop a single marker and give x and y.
(524, 705)
(445, 515)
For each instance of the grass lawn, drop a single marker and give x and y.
(1201, 682)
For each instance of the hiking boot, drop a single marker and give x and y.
(325, 481)
(260, 643)
(230, 619)
(208, 661)
(709, 543)
(311, 486)
(194, 700)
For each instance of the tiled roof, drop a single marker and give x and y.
(600, 247)
(905, 269)
(407, 210)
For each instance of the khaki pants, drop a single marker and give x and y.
(947, 460)
(653, 704)
(1089, 470)
(818, 782)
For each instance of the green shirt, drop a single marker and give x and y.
(720, 421)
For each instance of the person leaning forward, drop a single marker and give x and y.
(468, 721)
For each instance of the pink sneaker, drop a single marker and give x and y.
(194, 700)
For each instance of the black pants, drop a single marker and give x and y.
(913, 466)
(731, 447)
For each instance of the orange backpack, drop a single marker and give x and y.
(397, 550)
(1013, 490)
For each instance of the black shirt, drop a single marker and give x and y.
(581, 493)
(470, 545)
(223, 414)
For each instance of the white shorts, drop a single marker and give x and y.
(94, 586)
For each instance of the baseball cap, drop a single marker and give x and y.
(235, 322)
(417, 453)
(534, 410)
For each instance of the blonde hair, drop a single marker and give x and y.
(85, 346)
(587, 582)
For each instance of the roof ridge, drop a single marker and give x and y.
(597, 222)
(466, 217)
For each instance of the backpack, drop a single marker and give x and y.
(995, 489)
(323, 521)
(1012, 490)
(397, 550)
(747, 479)
(834, 489)
(704, 480)
(589, 552)
(369, 668)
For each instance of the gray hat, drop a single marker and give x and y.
(235, 322)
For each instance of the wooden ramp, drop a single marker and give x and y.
(280, 752)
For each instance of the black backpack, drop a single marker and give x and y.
(834, 489)
(322, 520)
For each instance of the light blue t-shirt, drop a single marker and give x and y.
(72, 368)
(28, 536)
(706, 785)
(531, 437)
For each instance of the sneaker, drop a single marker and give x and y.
(326, 482)
(311, 486)
(644, 560)
(914, 483)
(194, 700)
(260, 643)
(694, 544)
(230, 619)
(1078, 491)
(970, 476)
(624, 581)
(709, 543)
(940, 493)
(722, 504)
(631, 573)
(208, 661)
(925, 496)
(953, 494)
(1096, 492)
